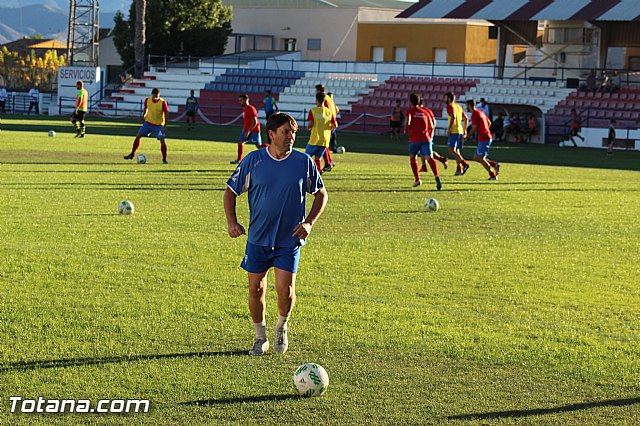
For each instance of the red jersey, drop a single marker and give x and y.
(248, 114)
(420, 127)
(479, 119)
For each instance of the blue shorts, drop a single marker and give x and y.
(315, 151)
(483, 149)
(421, 148)
(148, 128)
(455, 141)
(254, 137)
(258, 259)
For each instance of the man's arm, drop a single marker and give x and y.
(303, 229)
(233, 227)
(472, 131)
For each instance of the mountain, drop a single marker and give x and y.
(47, 19)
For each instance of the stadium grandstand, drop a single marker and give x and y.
(545, 53)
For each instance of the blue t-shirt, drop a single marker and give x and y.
(277, 194)
(269, 104)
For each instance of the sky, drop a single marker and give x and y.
(105, 5)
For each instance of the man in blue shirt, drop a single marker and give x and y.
(277, 180)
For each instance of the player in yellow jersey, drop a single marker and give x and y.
(77, 118)
(329, 103)
(321, 122)
(456, 131)
(154, 116)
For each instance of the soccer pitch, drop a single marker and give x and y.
(518, 302)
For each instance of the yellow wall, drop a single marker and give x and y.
(464, 43)
(631, 51)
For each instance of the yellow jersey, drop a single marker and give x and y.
(156, 111)
(323, 122)
(455, 114)
(82, 99)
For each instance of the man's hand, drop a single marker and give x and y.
(235, 230)
(302, 230)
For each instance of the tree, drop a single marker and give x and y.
(139, 40)
(175, 28)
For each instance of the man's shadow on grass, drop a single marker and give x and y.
(242, 400)
(83, 362)
(543, 411)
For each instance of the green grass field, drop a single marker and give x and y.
(517, 303)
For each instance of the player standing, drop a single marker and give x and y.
(329, 103)
(458, 122)
(611, 137)
(277, 180)
(154, 116)
(395, 120)
(270, 107)
(321, 122)
(576, 126)
(77, 118)
(480, 125)
(251, 130)
(191, 106)
(421, 125)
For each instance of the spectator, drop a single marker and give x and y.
(497, 127)
(514, 126)
(34, 101)
(602, 81)
(532, 127)
(3, 98)
(590, 82)
(612, 137)
(613, 84)
(484, 107)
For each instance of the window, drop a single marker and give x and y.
(314, 44)
(568, 35)
(290, 44)
(440, 55)
(400, 54)
(377, 54)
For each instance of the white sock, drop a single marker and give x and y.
(282, 322)
(261, 330)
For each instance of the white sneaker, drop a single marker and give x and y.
(281, 340)
(260, 346)
(417, 183)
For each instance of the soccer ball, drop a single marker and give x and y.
(341, 149)
(311, 379)
(51, 133)
(141, 158)
(125, 207)
(431, 205)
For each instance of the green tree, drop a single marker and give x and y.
(175, 27)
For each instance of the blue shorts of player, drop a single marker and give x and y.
(483, 149)
(258, 259)
(254, 137)
(455, 141)
(421, 148)
(148, 128)
(315, 151)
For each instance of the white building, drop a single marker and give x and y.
(320, 29)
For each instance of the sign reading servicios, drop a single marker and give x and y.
(67, 78)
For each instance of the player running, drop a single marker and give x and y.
(77, 118)
(458, 122)
(277, 180)
(480, 125)
(154, 116)
(435, 155)
(251, 130)
(421, 125)
(270, 106)
(329, 103)
(321, 122)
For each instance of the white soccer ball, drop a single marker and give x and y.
(341, 149)
(141, 159)
(431, 205)
(52, 133)
(126, 207)
(311, 379)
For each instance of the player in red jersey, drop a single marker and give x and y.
(251, 130)
(480, 124)
(434, 154)
(421, 125)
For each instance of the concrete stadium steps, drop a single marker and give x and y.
(254, 80)
(346, 88)
(221, 105)
(543, 95)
